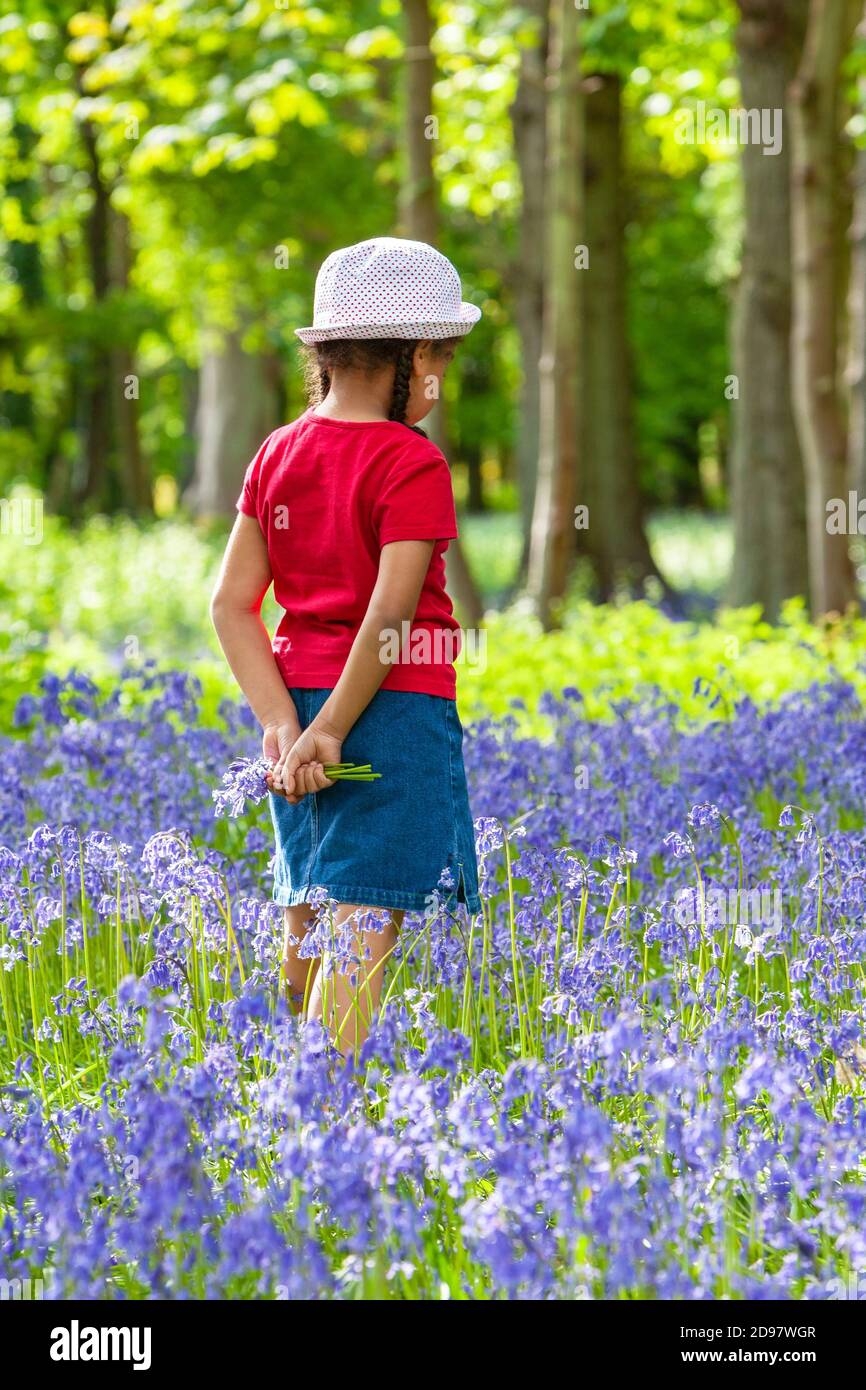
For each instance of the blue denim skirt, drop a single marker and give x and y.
(390, 843)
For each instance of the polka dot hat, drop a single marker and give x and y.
(388, 288)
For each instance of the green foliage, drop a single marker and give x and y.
(240, 144)
(610, 653)
(114, 592)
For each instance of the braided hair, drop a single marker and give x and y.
(402, 381)
(369, 355)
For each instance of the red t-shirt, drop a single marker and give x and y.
(328, 494)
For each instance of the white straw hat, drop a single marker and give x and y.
(388, 288)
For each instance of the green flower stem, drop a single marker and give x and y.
(350, 772)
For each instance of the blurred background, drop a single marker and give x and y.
(657, 431)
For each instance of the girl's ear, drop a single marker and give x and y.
(421, 357)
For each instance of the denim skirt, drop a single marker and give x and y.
(394, 842)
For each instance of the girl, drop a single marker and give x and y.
(348, 512)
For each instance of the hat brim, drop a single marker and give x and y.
(455, 328)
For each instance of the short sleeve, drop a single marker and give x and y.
(248, 502)
(417, 502)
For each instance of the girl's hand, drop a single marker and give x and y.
(277, 739)
(277, 742)
(299, 770)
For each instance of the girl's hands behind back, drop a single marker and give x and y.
(299, 771)
(277, 742)
(277, 739)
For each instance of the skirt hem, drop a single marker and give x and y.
(372, 897)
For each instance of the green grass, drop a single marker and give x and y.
(692, 549)
(493, 545)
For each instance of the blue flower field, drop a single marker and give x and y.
(638, 1074)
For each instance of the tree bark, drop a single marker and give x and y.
(420, 221)
(856, 374)
(132, 471)
(615, 540)
(418, 208)
(475, 470)
(25, 260)
(816, 192)
(96, 486)
(236, 411)
(528, 124)
(767, 488)
(552, 541)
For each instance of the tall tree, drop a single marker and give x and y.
(528, 116)
(552, 542)
(95, 484)
(817, 189)
(420, 220)
(856, 374)
(25, 262)
(135, 483)
(767, 488)
(615, 540)
(236, 411)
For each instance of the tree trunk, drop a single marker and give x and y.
(419, 216)
(552, 541)
(767, 488)
(615, 540)
(132, 472)
(527, 119)
(418, 209)
(815, 129)
(236, 411)
(25, 261)
(856, 374)
(96, 485)
(190, 389)
(474, 467)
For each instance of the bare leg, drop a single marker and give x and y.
(298, 974)
(346, 1002)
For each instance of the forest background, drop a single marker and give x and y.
(660, 209)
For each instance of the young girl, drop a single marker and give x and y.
(348, 511)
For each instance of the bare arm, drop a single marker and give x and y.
(403, 567)
(236, 609)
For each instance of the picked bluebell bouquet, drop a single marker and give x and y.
(246, 780)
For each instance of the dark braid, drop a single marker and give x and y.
(402, 381)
